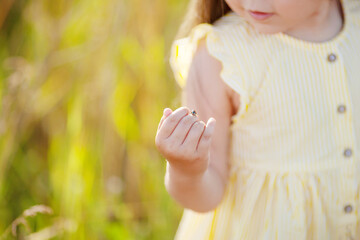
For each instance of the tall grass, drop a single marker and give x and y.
(83, 85)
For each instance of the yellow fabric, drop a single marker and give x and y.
(290, 177)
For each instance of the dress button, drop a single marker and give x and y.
(331, 57)
(348, 209)
(341, 109)
(348, 152)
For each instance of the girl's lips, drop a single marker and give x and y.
(260, 16)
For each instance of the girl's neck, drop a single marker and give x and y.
(323, 26)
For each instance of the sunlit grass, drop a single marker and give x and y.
(83, 85)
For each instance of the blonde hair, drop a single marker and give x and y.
(202, 11)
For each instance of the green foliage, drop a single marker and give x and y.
(83, 85)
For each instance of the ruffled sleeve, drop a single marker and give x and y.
(216, 38)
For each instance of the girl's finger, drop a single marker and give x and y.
(205, 139)
(166, 113)
(183, 128)
(169, 123)
(192, 138)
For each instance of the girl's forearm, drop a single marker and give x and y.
(201, 193)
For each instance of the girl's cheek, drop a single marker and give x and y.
(295, 9)
(236, 6)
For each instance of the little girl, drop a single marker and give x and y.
(282, 80)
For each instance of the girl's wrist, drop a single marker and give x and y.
(180, 176)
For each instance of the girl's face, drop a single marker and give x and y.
(273, 16)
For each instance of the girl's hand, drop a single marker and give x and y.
(184, 140)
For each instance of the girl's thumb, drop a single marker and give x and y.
(210, 125)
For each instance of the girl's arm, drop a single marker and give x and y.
(202, 188)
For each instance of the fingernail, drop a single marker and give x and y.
(211, 120)
(211, 124)
(167, 112)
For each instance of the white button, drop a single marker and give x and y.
(348, 152)
(341, 108)
(348, 208)
(331, 57)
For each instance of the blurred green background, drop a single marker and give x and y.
(83, 86)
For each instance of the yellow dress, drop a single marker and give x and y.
(295, 155)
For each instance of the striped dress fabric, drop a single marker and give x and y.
(295, 149)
